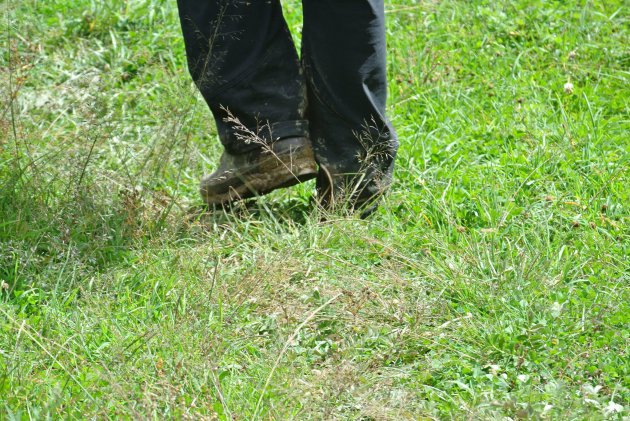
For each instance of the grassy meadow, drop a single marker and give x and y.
(493, 282)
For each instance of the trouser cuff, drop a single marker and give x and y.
(242, 140)
(284, 129)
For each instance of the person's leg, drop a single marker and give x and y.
(344, 57)
(242, 59)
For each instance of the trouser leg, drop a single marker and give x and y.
(343, 53)
(242, 59)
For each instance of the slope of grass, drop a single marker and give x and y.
(492, 283)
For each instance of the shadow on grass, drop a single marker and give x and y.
(294, 210)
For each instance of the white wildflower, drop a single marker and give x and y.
(568, 88)
(592, 390)
(556, 309)
(613, 408)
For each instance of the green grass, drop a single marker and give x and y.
(492, 283)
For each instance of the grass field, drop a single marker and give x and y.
(493, 282)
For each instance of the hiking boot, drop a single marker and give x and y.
(349, 193)
(282, 164)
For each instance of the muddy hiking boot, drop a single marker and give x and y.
(350, 193)
(282, 164)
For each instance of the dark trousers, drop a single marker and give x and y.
(243, 60)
